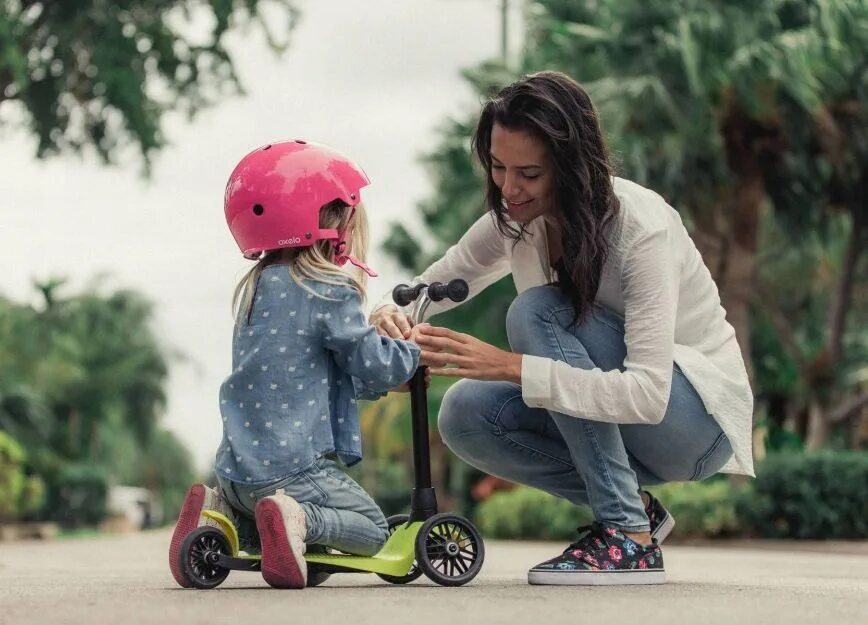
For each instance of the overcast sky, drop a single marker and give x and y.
(375, 82)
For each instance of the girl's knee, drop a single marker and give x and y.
(373, 545)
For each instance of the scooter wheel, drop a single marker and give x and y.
(449, 549)
(315, 576)
(395, 521)
(198, 554)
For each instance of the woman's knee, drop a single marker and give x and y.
(526, 314)
(461, 411)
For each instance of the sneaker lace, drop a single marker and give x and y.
(586, 533)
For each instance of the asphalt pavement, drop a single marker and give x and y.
(125, 579)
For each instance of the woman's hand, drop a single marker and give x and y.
(389, 320)
(468, 356)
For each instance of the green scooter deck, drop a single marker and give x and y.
(395, 558)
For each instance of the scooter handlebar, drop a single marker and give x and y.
(456, 290)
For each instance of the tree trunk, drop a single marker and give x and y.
(745, 140)
(820, 376)
(818, 427)
(73, 426)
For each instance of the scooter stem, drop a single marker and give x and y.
(423, 500)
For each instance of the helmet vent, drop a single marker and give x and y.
(258, 209)
(301, 142)
(267, 147)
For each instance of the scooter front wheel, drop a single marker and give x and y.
(449, 549)
(198, 555)
(395, 521)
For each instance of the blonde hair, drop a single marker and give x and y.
(314, 262)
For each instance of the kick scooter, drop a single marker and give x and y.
(446, 548)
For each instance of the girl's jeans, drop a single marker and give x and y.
(339, 512)
(488, 425)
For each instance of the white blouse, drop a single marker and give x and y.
(655, 278)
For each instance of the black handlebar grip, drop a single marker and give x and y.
(457, 290)
(403, 294)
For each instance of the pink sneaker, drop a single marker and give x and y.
(282, 529)
(199, 498)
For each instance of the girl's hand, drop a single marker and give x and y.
(390, 321)
(468, 356)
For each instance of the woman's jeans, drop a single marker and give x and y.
(488, 425)
(339, 512)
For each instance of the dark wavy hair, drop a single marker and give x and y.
(555, 109)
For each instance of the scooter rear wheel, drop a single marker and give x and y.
(197, 554)
(395, 521)
(449, 549)
(315, 576)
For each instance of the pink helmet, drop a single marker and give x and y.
(274, 196)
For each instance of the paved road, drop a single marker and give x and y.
(125, 579)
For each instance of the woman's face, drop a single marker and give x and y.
(521, 169)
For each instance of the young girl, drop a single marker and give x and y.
(302, 354)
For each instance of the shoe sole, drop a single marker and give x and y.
(664, 529)
(280, 562)
(597, 578)
(188, 520)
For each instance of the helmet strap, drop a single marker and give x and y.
(341, 245)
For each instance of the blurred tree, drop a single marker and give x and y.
(101, 74)
(818, 190)
(20, 494)
(122, 367)
(164, 467)
(82, 383)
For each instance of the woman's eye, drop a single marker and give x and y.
(534, 177)
(497, 167)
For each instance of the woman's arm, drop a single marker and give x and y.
(479, 257)
(639, 394)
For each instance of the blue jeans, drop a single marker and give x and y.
(602, 465)
(339, 512)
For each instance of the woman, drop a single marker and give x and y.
(623, 372)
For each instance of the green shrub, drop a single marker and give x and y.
(78, 496)
(817, 496)
(20, 494)
(810, 496)
(701, 509)
(530, 513)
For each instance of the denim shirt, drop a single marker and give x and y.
(299, 363)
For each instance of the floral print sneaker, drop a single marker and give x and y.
(602, 556)
(661, 520)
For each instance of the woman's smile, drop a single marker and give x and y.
(516, 209)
